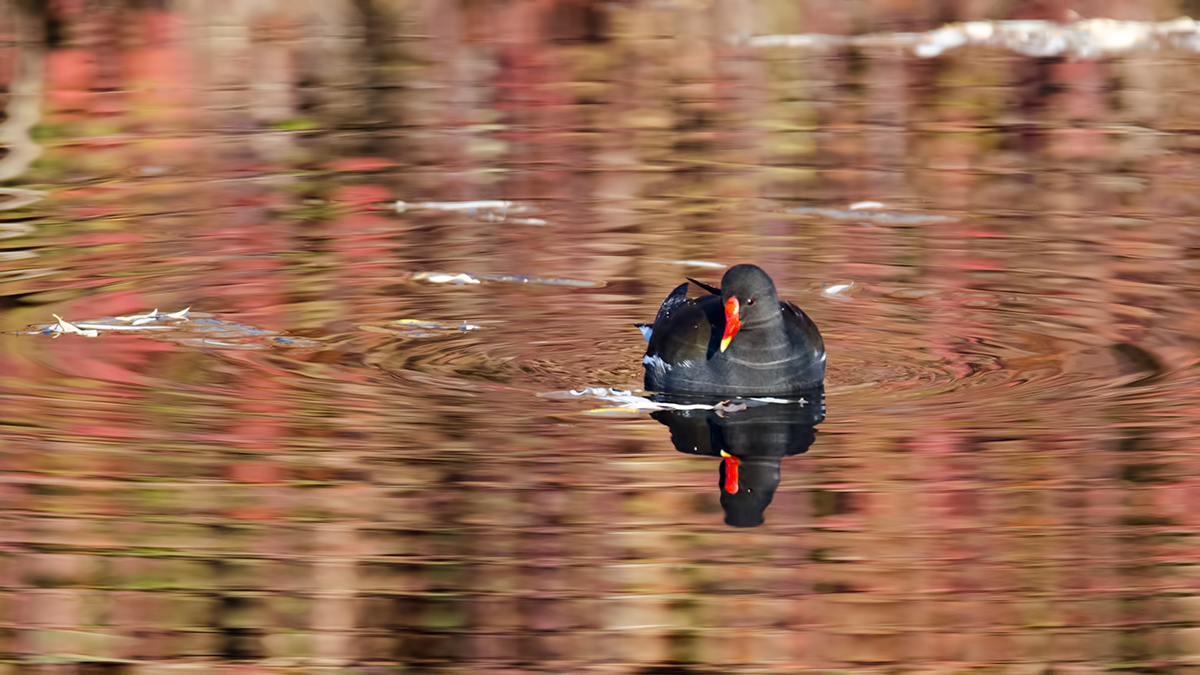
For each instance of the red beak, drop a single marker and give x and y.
(732, 323)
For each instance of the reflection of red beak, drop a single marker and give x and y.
(732, 323)
(731, 472)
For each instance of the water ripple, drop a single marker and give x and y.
(1008, 341)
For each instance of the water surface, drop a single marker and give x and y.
(358, 450)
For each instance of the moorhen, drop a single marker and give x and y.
(740, 340)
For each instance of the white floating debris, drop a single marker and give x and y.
(866, 206)
(445, 278)
(628, 401)
(416, 327)
(837, 289)
(100, 325)
(64, 326)
(93, 328)
(179, 327)
(137, 317)
(600, 391)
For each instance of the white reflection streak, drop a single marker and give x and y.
(487, 210)
(1088, 38)
(478, 205)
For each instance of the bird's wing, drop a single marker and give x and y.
(798, 320)
(687, 332)
(674, 300)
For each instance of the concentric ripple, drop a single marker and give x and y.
(1010, 341)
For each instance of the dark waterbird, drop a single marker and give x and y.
(739, 340)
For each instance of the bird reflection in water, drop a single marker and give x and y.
(751, 443)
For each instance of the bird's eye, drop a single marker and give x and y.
(750, 301)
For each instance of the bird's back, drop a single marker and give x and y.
(683, 356)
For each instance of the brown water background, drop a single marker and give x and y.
(1007, 478)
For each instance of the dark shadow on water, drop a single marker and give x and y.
(751, 442)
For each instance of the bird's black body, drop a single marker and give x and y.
(776, 352)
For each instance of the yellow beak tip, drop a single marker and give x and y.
(725, 343)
